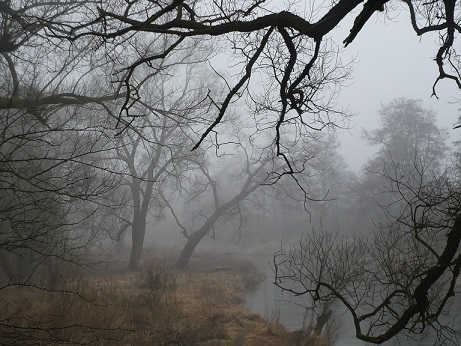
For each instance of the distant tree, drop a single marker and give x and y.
(330, 181)
(148, 165)
(407, 135)
(320, 196)
(247, 178)
(212, 194)
(406, 129)
(154, 151)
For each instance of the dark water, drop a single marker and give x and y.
(268, 301)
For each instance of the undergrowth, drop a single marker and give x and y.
(155, 306)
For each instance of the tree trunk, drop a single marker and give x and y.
(195, 237)
(323, 319)
(189, 248)
(137, 235)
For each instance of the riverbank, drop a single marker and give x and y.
(221, 282)
(158, 305)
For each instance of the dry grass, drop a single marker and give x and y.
(156, 306)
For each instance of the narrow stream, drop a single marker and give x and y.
(274, 305)
(268, 301)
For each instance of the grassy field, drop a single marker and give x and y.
(158, 305)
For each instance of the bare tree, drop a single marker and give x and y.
(40, 73)
(288, 44)
(302, 73)
(286, 50)
(407, 133)
(154, 151)
(220, 196)
(53, 179)
(47, 174)
(223, 186)
(150, 163)
(401, 281)
(53, 172)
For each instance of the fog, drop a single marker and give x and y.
(172, 175)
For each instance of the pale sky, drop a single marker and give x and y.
(391, 62)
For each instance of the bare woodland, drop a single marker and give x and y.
(117, 115)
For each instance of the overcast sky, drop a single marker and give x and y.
(391, 62)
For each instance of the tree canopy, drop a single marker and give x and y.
(406, 130)
(285, 50)
(290, 45)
